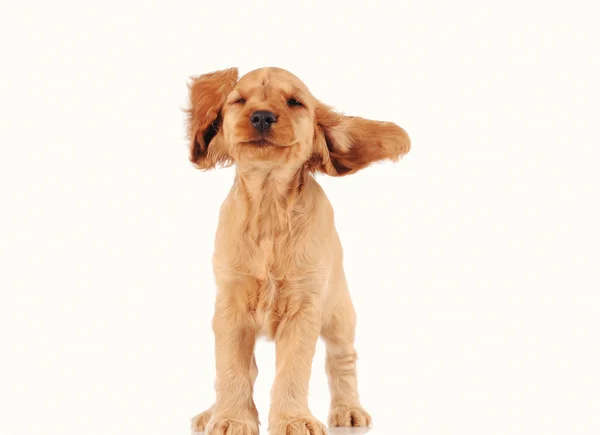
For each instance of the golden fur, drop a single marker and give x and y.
(278, 258)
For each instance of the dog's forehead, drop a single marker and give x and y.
(272, 77)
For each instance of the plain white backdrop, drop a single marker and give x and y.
(473, 263)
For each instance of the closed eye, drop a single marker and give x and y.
(292, 102)
(240, 101)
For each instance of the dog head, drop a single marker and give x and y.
(269, 118)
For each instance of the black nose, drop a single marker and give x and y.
(262, 120)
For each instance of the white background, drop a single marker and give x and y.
(473, 263)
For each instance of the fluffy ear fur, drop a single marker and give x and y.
(348, 143)
(207, 95)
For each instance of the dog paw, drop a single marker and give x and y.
(200, 421)
(231, 426)
(298, 426)
(349, 416)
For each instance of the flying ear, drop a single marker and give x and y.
(348, 143)
(207, 94)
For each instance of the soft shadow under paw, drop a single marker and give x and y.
(348, 430)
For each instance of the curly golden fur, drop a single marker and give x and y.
(278, 258)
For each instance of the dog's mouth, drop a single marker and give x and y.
(261, 142)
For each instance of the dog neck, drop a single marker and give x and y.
(271, 196)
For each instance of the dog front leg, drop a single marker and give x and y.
(295, 342)
(235, 334)
(200, 421)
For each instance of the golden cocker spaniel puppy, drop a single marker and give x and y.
(278, 258)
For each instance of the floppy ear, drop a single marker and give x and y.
(207, 95)
(349, 143)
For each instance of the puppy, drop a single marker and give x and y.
(278, 258)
